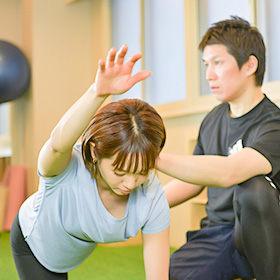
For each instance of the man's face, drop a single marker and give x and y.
(227, 82)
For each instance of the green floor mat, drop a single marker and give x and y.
(105, 263)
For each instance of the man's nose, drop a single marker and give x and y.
(210, 73)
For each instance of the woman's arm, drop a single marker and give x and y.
(156, 255)
(113, 77)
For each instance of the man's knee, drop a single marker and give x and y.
(257, 194)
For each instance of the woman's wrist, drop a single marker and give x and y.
(95, 93)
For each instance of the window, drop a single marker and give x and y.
(5, 147)
(168, 34)
(165, 50)
(144, 26)
(4, 119)
(268, 20)
(126, 29)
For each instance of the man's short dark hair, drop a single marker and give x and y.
(241, 39)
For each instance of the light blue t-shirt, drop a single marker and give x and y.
(65, 219)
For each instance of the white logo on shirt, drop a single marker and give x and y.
(238, 146)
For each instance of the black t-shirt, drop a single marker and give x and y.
(222, 135)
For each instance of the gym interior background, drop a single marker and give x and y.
(63, 40)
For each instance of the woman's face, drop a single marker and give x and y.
(120, 182)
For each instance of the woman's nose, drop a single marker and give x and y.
(130, 182)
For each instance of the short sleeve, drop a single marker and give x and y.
(159, 214)
(198, 150)
(68, 174)
(267, 143)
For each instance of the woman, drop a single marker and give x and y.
(100, 191)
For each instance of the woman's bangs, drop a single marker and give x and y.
(135, 162)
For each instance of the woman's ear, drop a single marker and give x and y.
(92, 148)
(252, 65)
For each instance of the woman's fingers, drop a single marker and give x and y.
(114, 57)
(110, 62)
(142, 75)
(102, 66)
(133, 59)
(121, 54)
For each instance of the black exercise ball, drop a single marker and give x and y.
(14, 72)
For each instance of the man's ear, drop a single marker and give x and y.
(252, 65)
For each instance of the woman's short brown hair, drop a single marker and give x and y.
(130, 129)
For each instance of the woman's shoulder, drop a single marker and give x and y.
(77, 150)
(75, 165)
(152, 186)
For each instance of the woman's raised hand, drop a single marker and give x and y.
(114, 76)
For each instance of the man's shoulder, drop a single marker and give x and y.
(216, 114)
(270, 106)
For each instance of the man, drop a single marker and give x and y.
(237, 157)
